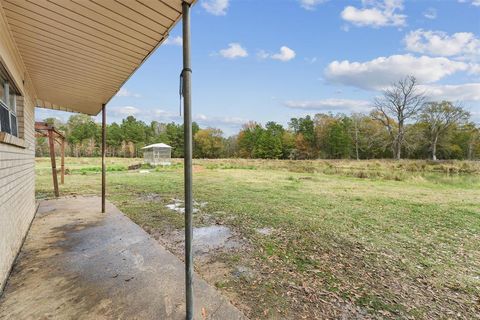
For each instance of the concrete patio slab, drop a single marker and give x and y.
(77, 263)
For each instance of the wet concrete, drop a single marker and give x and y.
(77, 263)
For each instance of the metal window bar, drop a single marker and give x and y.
(6, 89)
(4, 118)
(13, 123)
(8, 116)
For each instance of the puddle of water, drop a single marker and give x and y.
(200, 204)
(153, 197)
(207, 239)
(176, 207)
(211, 238)
(179, 206)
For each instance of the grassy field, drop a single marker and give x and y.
(319, 239)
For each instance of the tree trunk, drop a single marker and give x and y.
(356, 150)
(398, 154)
(399, 141)
(356, 140)
(397, 149)
(434, 148)
(470, 149)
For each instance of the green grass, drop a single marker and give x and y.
(387, 239)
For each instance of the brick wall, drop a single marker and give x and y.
(17, 163)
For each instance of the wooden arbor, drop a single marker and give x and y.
(43, 129)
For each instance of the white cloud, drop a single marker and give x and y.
(125, 110)
(472, 2)
(285, 54)
(376, 13)
(124, 92)
(175, 41)
(219, 122)
(311, 4)
(164, 116)
(460, 92)
(430, 13)
(474, 68)
(438, 43)
(383, 71)
(339, 105)
(216, 7)
(224, 123)
(234, 50)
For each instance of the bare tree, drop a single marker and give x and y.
(401, 102)
(438, 118)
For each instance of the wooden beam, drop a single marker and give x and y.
(41, 135)
(43, 126)
(62, 146)
(52, 159)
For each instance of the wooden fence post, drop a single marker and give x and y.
(51, 142)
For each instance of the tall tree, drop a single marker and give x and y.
(401, 102)
(356, 121)
(247, 139)
(81, 129)
(473, 144)
(305, 141)
(333, 135)
(134, 133)
(208, 143)
(230, 147)
(114, 138)
(269, 143)
(438, 117)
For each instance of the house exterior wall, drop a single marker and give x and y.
(17, 159)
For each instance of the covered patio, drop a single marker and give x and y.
(75, 56)
(78, 263)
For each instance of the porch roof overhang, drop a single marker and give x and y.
(78, 53)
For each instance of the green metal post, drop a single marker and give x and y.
(187, 127)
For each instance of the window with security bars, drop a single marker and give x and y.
(8, 108)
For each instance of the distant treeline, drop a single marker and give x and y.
(402, 125)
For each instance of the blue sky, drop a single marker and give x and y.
(276, 59)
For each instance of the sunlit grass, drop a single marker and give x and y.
(395, 239)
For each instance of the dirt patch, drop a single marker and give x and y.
(198, 168)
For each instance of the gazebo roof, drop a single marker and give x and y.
(157, 145)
